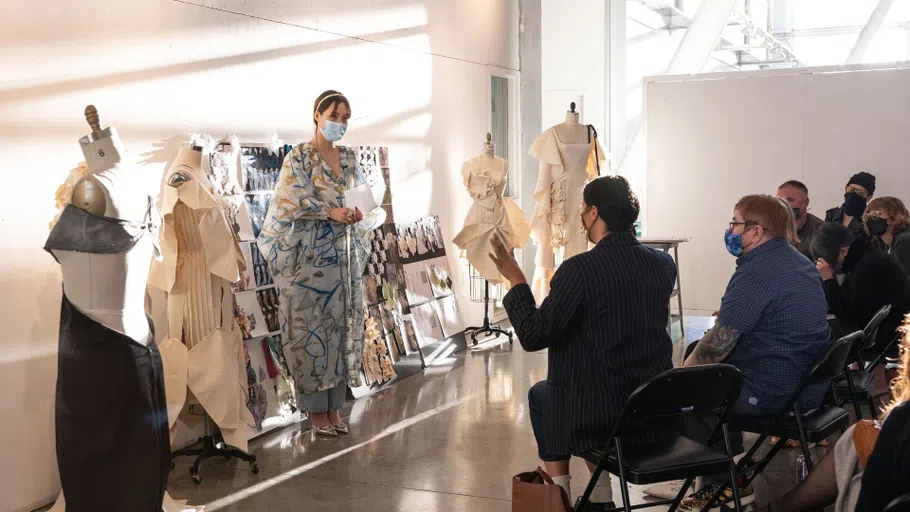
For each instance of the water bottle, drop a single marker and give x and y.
(802, 470)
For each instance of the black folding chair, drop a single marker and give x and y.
(900, 504)
(858, 386)
(813, 427)
(703, 391)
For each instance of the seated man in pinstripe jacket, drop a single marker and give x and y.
(604, 323)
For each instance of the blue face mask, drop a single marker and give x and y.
(333, 132)
(734, 243)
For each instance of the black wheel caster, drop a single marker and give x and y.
(497, 335)
(173, 465)
(254, 468)
(197, 478)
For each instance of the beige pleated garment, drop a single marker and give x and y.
(203, 354)
(485, 178)
(556, 227)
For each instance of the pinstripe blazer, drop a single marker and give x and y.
(605, 325)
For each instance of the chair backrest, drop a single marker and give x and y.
(832, 363)
(696, 390)
(871, 330)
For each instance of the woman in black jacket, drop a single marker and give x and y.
(860, 279)
(887, 219)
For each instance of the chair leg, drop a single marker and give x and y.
(797, 411)
(586, 497)
(856, 407)
(872, 408)
(624, 485)
(734, 485)
(681, 495)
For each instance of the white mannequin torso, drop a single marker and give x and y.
(571, 131)
(110, 288)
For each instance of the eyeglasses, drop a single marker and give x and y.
(875, 215)
(733, 224)
(858, 191)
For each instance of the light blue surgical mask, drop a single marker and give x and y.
(333, 132)
(734, 243)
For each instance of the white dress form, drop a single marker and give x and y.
(563, 152)
(485, 177)
(111, 288)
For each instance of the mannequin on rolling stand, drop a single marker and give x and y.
(112, 442)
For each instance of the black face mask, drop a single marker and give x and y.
(854, 204)
(796, 213)
(877, 227)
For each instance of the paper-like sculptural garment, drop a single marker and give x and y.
(485, 178)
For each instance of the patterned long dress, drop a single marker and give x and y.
(317, 264)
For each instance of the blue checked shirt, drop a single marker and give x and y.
(776, 301)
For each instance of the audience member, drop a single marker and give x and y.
(797, 196)
(604, 323)
(887, 219)
(842, 478)
(859, 280)
(771, 324)
(860, 189)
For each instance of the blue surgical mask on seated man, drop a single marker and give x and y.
(333, 132)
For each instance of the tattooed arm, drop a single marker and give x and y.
(714, 346)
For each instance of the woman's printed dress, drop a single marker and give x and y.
(317, 264)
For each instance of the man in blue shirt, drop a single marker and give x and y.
(772, 319)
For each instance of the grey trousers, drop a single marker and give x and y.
(323, 401)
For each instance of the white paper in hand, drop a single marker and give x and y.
(360, 197)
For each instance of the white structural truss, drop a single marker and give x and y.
(752, 45)
(872, 26)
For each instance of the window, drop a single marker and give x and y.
(501, 127)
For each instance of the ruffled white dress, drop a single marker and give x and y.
(556, 224)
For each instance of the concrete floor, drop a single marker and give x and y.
(449, 439)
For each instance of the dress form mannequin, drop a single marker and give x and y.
(564, 154)
(110, 288)
(104, 241)
(485, 177)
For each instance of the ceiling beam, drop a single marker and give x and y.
(867, 34)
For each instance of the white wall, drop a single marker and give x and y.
(573, 46)
(416, 71)
(715, 138)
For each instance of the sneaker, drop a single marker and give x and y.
(698, 500)
(665, 490)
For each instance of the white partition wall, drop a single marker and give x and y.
(714, 138)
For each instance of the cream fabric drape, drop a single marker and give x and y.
(556, 224)
(491, 214)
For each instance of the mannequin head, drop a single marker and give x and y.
(331, 113)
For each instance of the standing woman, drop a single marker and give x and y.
(887, 219)
(318, 249)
